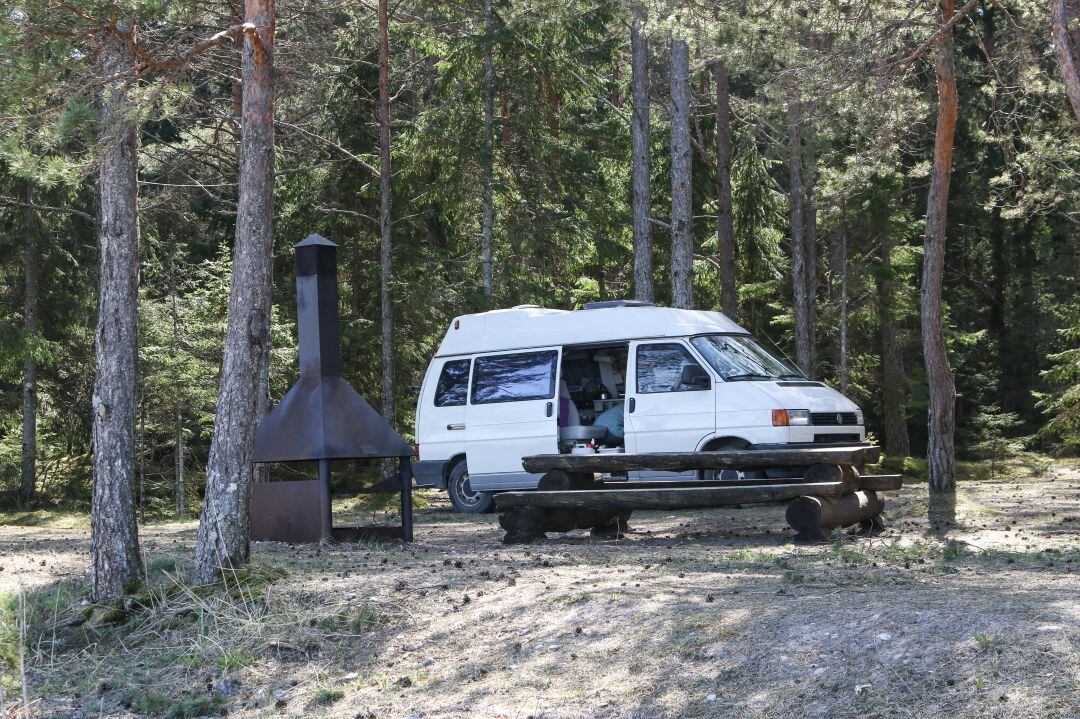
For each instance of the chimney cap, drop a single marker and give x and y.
(314, 239)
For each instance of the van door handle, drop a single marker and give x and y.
(460, 425)
(633, 404)
(549, 408)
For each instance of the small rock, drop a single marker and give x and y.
(226, 686)
(428, 662)
(710, 698)
(1049, 628)
(884, 637)
(861, 689)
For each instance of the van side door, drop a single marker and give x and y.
(440, 426)
(512, 413)
(670, 404)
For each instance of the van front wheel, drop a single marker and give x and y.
(462, 495)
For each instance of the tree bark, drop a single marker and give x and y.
(114, 536)
(942, 390)
(682, 228)
(810, 208)
(843, 369)
(385, 227)
(639, 129)
(893, 377)
(725, 227)
(28, 483)
(223, 527)
(1067, 46)
(179, 490)
(803, 343)
(489, 158)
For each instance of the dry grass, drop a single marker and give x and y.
(705, 613)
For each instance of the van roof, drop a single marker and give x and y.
(529, 326)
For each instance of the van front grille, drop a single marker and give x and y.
(833, 418)
(830, 438)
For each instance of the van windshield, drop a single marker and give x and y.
(740, 357)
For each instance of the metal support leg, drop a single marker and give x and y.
(324, 499)
(405, 473)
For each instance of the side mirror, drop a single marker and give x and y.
(694, 375)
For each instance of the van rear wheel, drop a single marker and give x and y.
(462, 495)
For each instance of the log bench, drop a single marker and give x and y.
(830, 493)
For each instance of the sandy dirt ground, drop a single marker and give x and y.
(694, 614)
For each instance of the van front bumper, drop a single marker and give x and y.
(793, 472)
(809, 445)
(430, 473)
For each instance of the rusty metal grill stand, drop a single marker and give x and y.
(322, 418)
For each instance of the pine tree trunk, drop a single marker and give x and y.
(28, 482)
(386, 306)
(489, 156)
(893, 377)
(179, 491)
(114, 536)
(803, 348)
(843, 301)
(141, 449)
(810, 209)
(1067, 46)
(942, 390)
(639, 129)
(682, 228)
(223, 527)
(725, 226)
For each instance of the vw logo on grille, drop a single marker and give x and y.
(839, 418)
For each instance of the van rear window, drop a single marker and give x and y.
(453, 384)
(515, 377)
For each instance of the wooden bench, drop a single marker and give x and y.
(830, 493)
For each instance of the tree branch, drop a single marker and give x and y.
(947, 27)
(8, 202)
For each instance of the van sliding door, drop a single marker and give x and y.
(512, 413)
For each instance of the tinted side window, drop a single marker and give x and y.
(453, 384)
(659, 368)
(516, 377)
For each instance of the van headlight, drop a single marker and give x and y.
(790, 417)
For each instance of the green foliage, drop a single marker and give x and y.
(995, 437)
(1062, 402)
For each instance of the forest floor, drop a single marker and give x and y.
(695, 614)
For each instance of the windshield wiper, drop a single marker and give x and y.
(749, 375)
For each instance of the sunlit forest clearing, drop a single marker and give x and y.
(208, 210)
(704, 613)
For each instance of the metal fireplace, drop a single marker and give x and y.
(322, 419)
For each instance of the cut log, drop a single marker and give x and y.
(685, 461)
(529, 524)
(831, 473)
(813, 516)
(881, 482)
(558, 480)
(666, 498)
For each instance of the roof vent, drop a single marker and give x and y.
(616, 303)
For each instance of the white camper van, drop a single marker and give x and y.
(616, 376)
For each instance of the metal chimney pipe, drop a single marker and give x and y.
(317, 307)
